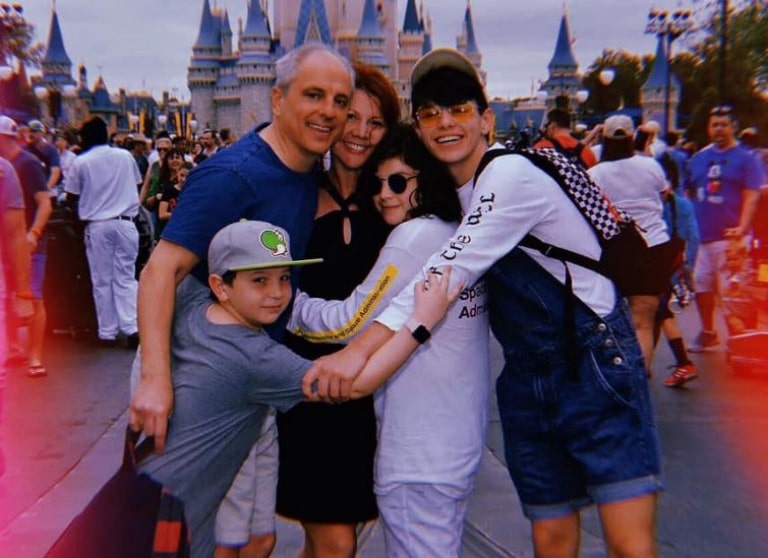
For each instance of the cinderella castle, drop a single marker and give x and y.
(230, 81)
(231, 86)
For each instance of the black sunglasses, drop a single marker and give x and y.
(396, 182)
(159, 149)
(721, 110)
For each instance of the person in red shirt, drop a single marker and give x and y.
(557, 135)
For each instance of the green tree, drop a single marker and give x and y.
(17, 40)
(630, 71)
(746, 64)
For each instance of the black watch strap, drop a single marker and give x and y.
(419, 332)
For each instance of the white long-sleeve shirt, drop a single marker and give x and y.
(511, 199)
(431, 415)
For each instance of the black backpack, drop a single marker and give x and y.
(572, 153)
(625, 254)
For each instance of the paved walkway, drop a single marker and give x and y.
(62, 436)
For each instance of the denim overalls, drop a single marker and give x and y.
(573, 396)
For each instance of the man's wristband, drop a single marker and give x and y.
(24, 295)
(419, 332)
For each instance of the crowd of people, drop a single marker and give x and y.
(358, 388)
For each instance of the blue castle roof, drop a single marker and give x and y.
(209, 35)
(101, 100)
(563, 52)
(226, 28)
(658, 75)
(257, 24)
(56, 53)
(469, 26)
(312, 19)
(412, 23)
(369, 26)
(427, 44)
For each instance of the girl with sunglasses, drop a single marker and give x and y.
(431, 414)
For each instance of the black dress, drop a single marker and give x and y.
(327, 451)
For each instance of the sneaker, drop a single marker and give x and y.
(681, 376)
(704, 340)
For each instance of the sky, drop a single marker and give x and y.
(146, 44)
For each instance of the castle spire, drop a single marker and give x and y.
(369, 26)
(208, 36)
(470, 29)
(313, 23)
(563, 56)
(658, 76)
(256, 23)
(56, 54)
(412, 23)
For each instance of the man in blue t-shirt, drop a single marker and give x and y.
(267, 176)
(725, 179)
(47, 153)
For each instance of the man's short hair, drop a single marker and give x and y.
(94, 132)
(287, 66)
(671, 138)
(559, 118)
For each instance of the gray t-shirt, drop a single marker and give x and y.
(224, 379)
(11, 197)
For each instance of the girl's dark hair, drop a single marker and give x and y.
(670, 169)
(165, 169)
(617, 148)
(436, 191)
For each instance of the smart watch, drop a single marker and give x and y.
(419, 332)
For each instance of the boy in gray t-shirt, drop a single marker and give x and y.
(227, 371)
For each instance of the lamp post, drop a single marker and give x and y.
(668, 27)
(162, 119)
(193, 124)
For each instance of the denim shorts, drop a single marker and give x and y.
(571, 441)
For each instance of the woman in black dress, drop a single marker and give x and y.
(326, 452)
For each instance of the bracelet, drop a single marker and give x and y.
(25, 295)
(37, 232)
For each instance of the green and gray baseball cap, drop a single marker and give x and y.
(248, 245)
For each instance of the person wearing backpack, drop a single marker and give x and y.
(573, 397)
(557, 135)
(635, 182)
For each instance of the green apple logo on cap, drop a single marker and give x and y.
(274, 242)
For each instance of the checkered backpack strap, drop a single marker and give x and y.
(605, 219)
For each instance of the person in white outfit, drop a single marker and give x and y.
(106, 180)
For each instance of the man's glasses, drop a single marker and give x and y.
(396, 182)
(429, 116)
(163, 149)
(721, 110)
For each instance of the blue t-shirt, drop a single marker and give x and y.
(245, 181)
(719, 179)
(30, 173)
(48, 156)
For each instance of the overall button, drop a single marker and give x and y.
(617, 360)
(601, 327)
(609, 342)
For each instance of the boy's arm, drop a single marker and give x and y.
(152, 402)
